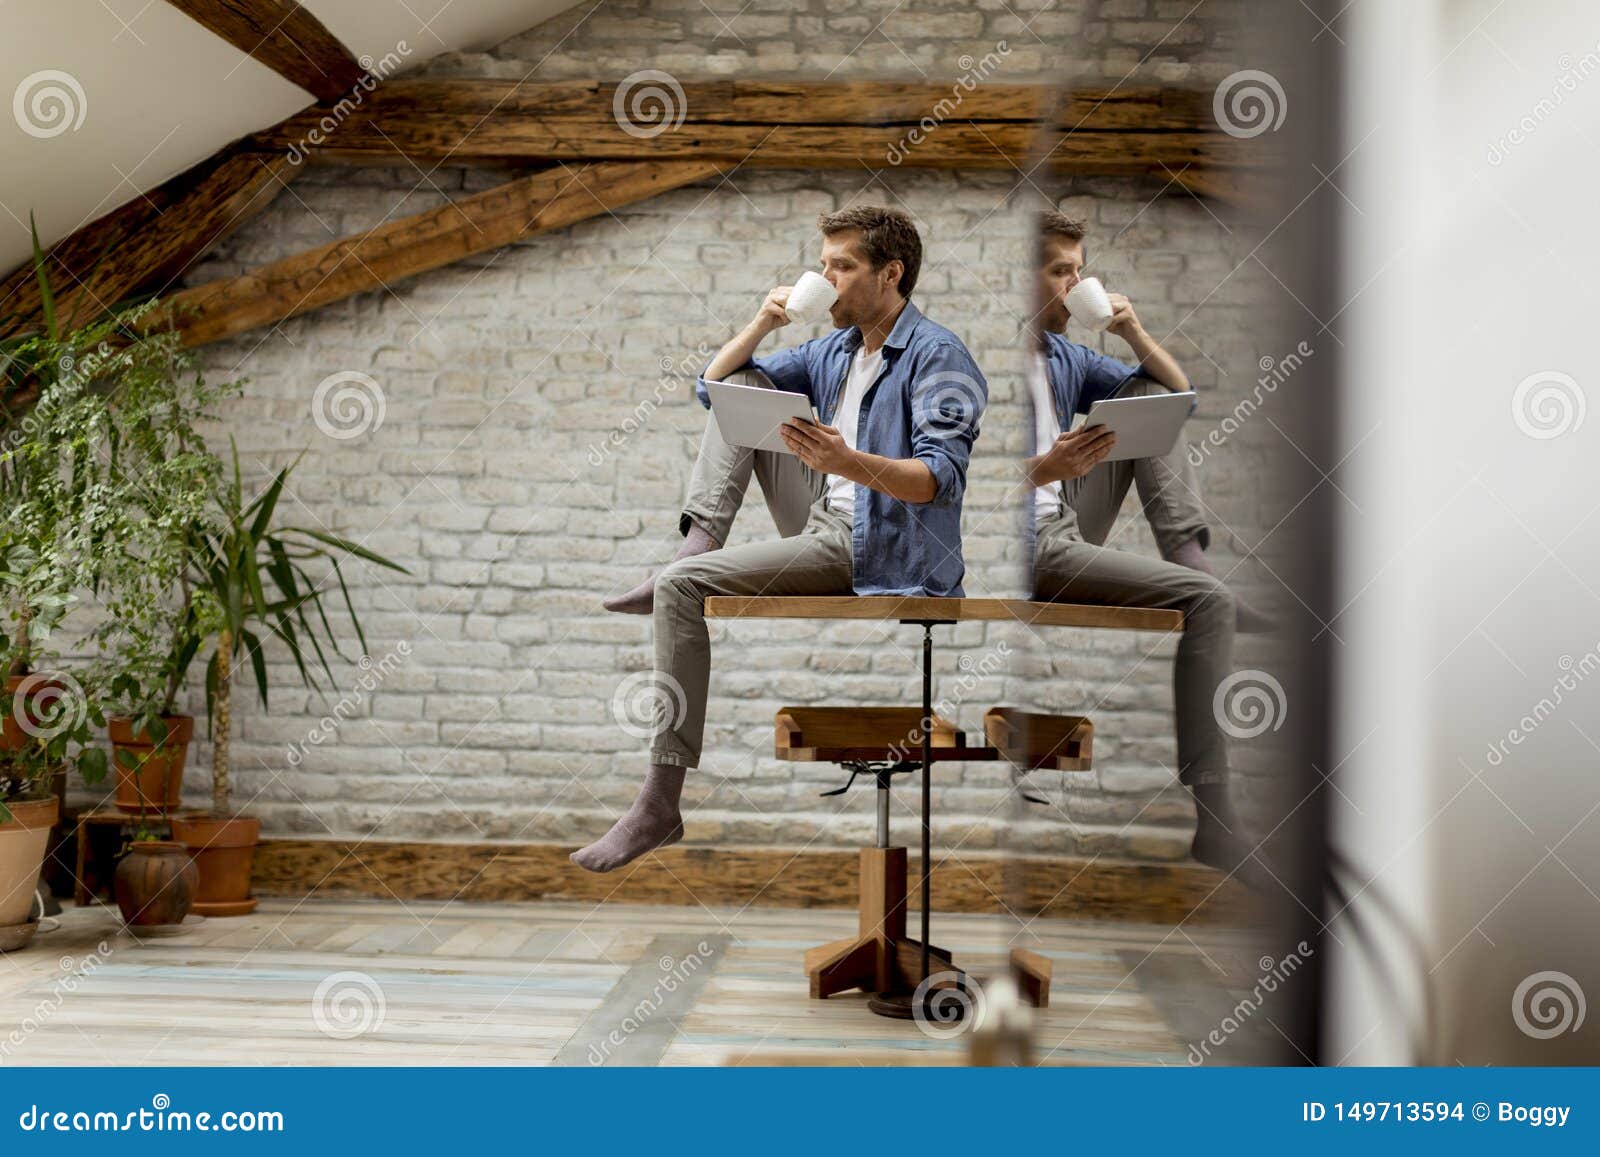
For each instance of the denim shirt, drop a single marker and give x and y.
(1079, 377)
(925, 404)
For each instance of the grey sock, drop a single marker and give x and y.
(652, 822)
(1247, 619)
(641, 600)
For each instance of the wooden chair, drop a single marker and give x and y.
(882, 742)
(1035, 741)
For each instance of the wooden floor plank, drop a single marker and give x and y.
(461, 983)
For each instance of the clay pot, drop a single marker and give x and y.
(155, 883)
(160, 769)
(22, 847)
(225, 852)
(12, 736)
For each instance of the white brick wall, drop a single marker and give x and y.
(492, 479)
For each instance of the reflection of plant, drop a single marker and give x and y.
(231, 568)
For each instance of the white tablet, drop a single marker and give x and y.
(1146, 427)
(750, 415)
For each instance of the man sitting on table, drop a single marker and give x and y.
(1077, 500)
(899, 398)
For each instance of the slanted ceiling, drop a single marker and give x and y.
(161, 91)
(112, 228)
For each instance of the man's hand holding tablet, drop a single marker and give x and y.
(1072, 455)
(820, 447)
(754, 416)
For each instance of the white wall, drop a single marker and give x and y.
(1474, 607)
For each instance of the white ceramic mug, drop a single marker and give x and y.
(1087, 303)
(811, 298)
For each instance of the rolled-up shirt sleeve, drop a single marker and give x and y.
(948, 397)
(788, 369)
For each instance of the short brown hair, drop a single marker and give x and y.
(886, 235)
(1054, 224)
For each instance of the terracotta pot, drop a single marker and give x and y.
(12, 736)
(225, 852)
(160, 769)
(22, 846)
(155, 883)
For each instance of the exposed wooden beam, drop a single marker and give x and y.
(284, 37)
(808, 125)
(1254, 190)
(609, 135)
(148, 241)
(550, 199)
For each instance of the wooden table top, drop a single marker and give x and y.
(1034, 614)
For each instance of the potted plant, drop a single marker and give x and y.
(155, 883)
(59, 513)
(170, 476)
(102, 476)
(48, 722)
(156, 880)
(247, 579)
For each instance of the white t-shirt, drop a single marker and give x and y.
(1046, 430)
(847, 419)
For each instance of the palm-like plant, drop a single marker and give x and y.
(248, 578)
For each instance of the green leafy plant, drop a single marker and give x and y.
(61, 509)
(50, 726)
(104, 477)
(249, 577)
